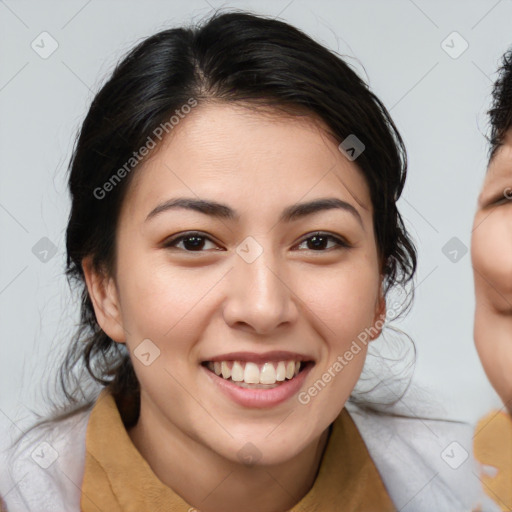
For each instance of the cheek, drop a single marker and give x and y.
(491, 250)
(343, 299)
(167, 306)
(341, 309)
(162, 302)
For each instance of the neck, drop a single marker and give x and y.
(221, 484)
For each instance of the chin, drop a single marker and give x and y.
(260, 452)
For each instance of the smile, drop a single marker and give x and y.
(258, 385)
(247, 372)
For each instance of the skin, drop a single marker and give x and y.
(195, 305)
(491, 253)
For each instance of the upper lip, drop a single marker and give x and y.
(275, 355)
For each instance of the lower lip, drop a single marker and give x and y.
(260, 398)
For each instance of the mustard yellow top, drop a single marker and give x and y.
(492, 447)
(118, 479)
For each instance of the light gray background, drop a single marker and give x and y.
(438, 102)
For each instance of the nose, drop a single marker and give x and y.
(259, 295)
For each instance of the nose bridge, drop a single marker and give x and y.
(257, 295)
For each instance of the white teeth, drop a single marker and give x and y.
(252, 373)
(237, 372)
(290, 369)
(268, 374)
(226, 371)
(281, 371)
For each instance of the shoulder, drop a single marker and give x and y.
(426, 464)
(494, 431)
(43, 471)
(493, 450)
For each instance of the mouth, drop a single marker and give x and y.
(258, 375)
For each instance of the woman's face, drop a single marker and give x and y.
(251, 283)
(492, 264)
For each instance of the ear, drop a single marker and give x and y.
(104, 297)
(380, 314)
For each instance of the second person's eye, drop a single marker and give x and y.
(500, 199)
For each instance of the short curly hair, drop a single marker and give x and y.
(500, 113)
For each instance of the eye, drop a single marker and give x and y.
(319, 242)
(191, 242)
(500, 199)
(196, 242)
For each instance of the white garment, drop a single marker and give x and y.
(406, 451)
(27, 486)
(423, 463)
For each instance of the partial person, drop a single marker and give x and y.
(491, 252)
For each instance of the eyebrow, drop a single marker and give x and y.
(222, 211)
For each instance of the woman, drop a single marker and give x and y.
(235, 233)
(491, 258)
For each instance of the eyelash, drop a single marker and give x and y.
(340, 243)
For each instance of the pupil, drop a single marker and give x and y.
(318, 242)
(197, 243)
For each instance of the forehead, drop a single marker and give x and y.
(222, 150)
